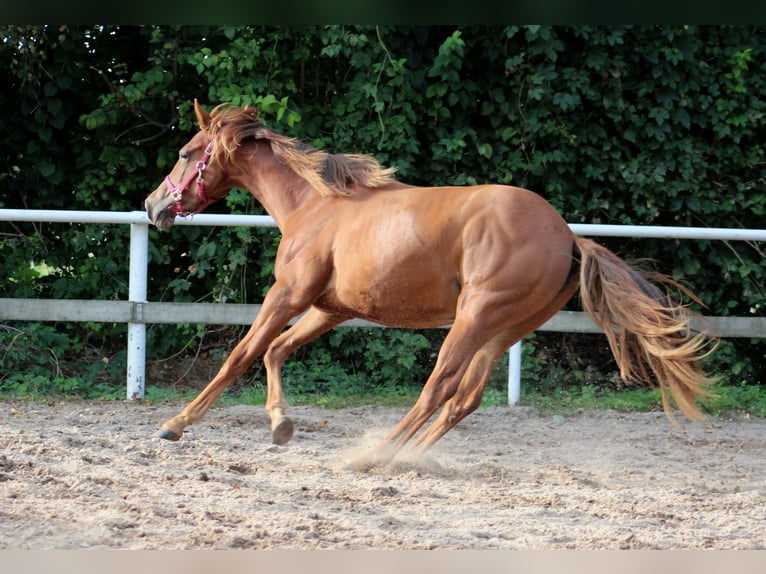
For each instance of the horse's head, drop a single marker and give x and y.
(196, 180)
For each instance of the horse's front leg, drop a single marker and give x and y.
(306, 329)
(276, 312)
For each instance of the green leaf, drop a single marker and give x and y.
(46, 168)
(484, 150)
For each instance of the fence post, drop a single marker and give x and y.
(139, 255)
(514, 373)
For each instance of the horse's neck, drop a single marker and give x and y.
(277, 188)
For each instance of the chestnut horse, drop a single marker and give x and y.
(493, 261)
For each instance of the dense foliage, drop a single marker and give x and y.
(657, 125)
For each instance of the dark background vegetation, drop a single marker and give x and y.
(656, 125)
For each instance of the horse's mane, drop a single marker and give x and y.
(330, 174)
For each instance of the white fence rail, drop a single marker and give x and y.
(137, 311)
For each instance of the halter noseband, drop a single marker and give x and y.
(178, 191)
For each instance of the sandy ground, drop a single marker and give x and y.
(95, 475)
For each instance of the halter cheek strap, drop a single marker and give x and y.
(178, 191)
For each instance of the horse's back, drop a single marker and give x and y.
(450, 220)
(449, 208)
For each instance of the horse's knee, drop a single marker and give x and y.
(237, 362)
(276, 354)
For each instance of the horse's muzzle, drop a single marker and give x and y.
(162, 217)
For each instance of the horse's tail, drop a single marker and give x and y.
(644, 327)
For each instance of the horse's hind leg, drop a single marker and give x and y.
(455, 355)
(306, 329)
(468, 396)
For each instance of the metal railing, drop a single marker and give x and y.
(137, 312)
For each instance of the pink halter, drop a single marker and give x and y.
(178, 191)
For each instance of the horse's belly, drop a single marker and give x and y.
(410, 300)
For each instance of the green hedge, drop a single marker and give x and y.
(659, 125)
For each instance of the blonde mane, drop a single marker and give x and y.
(332, 175)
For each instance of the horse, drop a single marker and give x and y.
(493, 262)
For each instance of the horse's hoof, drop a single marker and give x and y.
(282, 431)
(168, 434)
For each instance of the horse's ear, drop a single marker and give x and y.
(203, 118)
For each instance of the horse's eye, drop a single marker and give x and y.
(184, 155)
